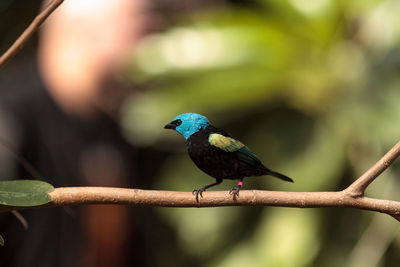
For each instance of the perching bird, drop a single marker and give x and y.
(216, 153)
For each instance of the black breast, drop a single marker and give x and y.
(214, 161)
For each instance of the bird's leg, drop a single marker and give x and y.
(235, 191)
(200, 191)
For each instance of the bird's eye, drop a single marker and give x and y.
(177, 122)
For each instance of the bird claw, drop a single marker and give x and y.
(198, 192)
(235, 192)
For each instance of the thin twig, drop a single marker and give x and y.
(27, 34)
(21, 219)
(21, 160)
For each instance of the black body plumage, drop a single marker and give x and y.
(221, 164)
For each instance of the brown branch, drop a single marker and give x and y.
(27, 34)
(351, 197)
(155, 198)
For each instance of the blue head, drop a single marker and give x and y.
(188, 123)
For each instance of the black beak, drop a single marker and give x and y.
(170, 126)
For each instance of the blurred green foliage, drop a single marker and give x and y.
(313, 88)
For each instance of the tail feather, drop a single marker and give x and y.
(279, 175)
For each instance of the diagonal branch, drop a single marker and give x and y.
(357, 188)
(27, 34)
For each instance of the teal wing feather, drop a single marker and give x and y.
(246, 155)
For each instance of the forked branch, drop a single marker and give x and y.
(357, 188)
(351, 197)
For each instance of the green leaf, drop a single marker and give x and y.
(1, 241)
(24, 193)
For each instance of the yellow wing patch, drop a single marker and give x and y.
(225, 143)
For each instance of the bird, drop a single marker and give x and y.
(218, 154)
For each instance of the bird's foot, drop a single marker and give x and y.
(235, 191)
(198, 192)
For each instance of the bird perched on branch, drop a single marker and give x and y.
(218, 154)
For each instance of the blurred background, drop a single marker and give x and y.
(312, 87)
